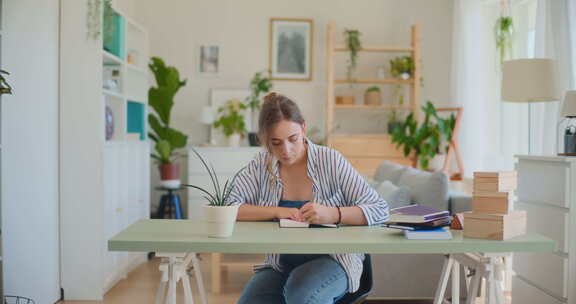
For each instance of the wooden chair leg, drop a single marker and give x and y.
(216, 274)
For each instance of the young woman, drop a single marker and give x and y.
(296, 179)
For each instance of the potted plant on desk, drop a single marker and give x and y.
(167, 140)
(219, 213)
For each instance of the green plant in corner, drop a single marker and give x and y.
(161, 99)
(503, 33)
(219, 197)
(230, 118)
(354, 45)
(5, 88)
(423, 141)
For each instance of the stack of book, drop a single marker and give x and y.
(492, 204)
(421, 222)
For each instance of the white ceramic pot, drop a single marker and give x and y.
(234, 140)
(220, 220)
(170, 183)
(437, 162)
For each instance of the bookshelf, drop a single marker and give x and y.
(367, 150)
(125, 80)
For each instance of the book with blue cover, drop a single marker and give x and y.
(430, 234)
(416, 214)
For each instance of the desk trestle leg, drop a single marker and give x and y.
(174, 269)
(488, 267)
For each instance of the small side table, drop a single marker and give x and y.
(170, 203)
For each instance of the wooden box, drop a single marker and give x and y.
(492, 202)
(494, 226)
(345, 100)
(495, 181)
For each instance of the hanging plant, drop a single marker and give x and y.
(5, 88)
(503, 32)
(354, 45)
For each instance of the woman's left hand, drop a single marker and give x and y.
(315, 213)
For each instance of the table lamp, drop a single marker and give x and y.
(567, 126)
(528, 81)
(207, 118)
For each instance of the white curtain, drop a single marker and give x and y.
(475, 83)
(555, 32)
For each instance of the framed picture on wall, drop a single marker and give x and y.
(290, 49)
(209, 60)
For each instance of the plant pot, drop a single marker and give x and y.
(253, 139)
(392, 125)
(170, 175)
(345, 100)
(372, 98)
(234, 140)
(405, 76)
(220, 220)
(436, 163)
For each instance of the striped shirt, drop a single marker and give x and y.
(334, 183)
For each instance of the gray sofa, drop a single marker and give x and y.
(414, 276)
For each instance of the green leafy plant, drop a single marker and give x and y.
(503, 33)
(161, 99)
(394, 113)
(109, 26)
(401, 65)
(260, 84)
(5, 88)
(353, 44)
(230, 118)
(373, 89)
(219, 197)
(427, 139)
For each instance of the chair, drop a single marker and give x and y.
(365, 285)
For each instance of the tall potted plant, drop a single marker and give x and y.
(219, 213)
(231, 120)
(167, 139)
(260, 84)
(425, 140)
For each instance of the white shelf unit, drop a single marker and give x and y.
(547, 191)
(105, 183)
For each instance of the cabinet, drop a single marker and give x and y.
(226, 161)
(105, 182)
(546, 190)
(367, 151)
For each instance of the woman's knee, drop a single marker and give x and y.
(321, 282)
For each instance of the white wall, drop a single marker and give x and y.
(241, 28)
(30, 150)
(178, 27)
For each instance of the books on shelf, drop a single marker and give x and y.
(429, 234)
(286, 223)
(416, 214)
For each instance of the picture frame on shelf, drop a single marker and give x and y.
(218, 98)
(291, 49)
(209, 60)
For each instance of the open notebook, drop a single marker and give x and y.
(286, 223)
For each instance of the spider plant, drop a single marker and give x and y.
(353, 43)
(218, 198)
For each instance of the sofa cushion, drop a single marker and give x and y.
(426, 188)
(389, 171)
(395, 196)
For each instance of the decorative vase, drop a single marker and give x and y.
(170, 175)
(220, 220)
(253, 139)
(109, 123)
(372, 98)
(234, 140)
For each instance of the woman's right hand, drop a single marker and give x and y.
(289, 213)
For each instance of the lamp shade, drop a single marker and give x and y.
(529, 80)
(569, 105)
(207, 115)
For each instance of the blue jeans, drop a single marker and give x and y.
(320, 281)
